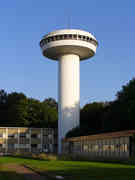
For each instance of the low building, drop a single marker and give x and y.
(21, 139)
(112, 145)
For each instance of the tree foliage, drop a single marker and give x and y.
(91, 116)
(18, 110)
(112, 116)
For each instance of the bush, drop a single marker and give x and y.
(41, 156)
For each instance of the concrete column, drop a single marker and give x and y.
(69, 95)
(41, 139)
(6, 140)
(30, 140)
(18, 139)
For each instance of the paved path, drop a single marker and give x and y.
(28, 174)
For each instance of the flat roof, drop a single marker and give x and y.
(100, 136)
(26, 127)
(69, 31)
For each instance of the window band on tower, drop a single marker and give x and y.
(68, 37)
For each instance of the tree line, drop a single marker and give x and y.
(117, 115)
(16, 109)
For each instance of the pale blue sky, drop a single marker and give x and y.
(24, 69)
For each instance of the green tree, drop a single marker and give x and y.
(17, 110)
(91, 116)
(40, 114)
(51, 102)
(49, 116)
(34, 110)
(120, 114)
(126, 105)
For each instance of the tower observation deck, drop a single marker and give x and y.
(68, 47)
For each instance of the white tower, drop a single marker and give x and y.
(68, 47)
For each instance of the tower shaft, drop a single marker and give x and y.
(68, 94)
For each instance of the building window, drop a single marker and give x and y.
(22, 145)
(112, 148)
(126, 147)
(10, 146)
(76, 147)
(34, 136)
(10, 135)
(117, 147)
(85, 148)
(22, 135)
(96, 148)
(34, 145)
(90, 147)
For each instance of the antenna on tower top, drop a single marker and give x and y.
(69, 22)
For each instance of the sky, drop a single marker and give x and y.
(24, 69)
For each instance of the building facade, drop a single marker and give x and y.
(111, 145)
(21, 139)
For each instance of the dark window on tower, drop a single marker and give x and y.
(68, 36)
(88, 38)
(41, 43)
(54, 38)
(65, 36)
(74, 36)
(93, 42)
(79, 36)
(84, 38)
(49, 39)
(61, 36)
(46, 41)
(57, 37)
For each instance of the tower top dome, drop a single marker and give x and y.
(68, 41)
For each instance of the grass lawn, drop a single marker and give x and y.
(74, 170)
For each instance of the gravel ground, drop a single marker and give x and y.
(27, 173)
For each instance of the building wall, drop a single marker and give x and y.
(18, 139)
(118, 147)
